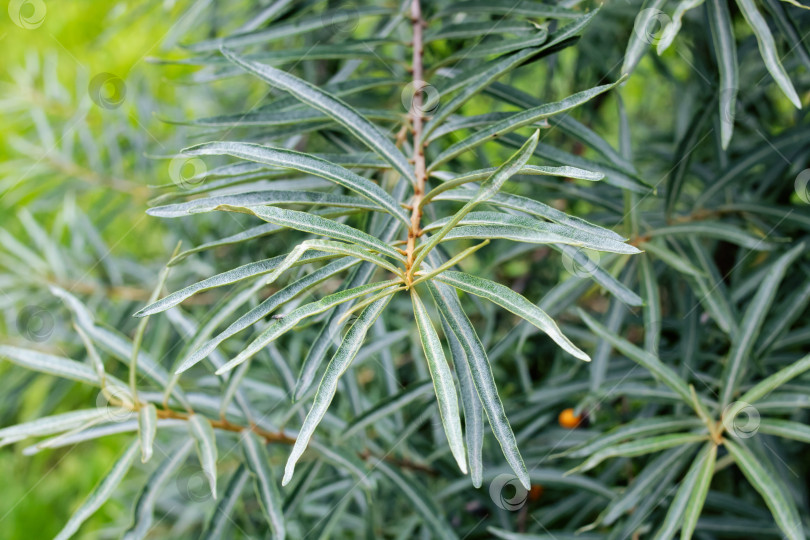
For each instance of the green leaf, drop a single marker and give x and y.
(772, 382)
(535, 208)
(258, 198)
(280, 326)
(270, 500)
(660, 371)
(639, 41)
(100, 493)
(449, 306)
(215, 527)
(203, 433)
(653, 474)
(523, 8)
(246, 271)
(674, 26)
(442, 381)
(414, 392)
(599, 275)
(779, 502)
(328, 387)
(518, 120)
(147, 428)
(488, 189)
(57, 423)
(501, 225)
(421, 499)
(785, 428)
(290, 159)
(303, 221)
(671, 259)
(718, 230)
(514, 302)
(725, 50)
(705, 471)
(267, 307)
(145, 504)
(638, 448)
(752, 321)
(472, 82)
(767, 49)
(294, 27)
(471, 404)
(333, 107)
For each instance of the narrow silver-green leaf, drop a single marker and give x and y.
(246, 271)
(640, 39)
(514, 302)
(258, 462)
(303, 221)
(518, 120)
(281, 157)
(442, 381)
(780, 503)
(203, 433)
(145, 505)
(767, 48)
(659, 370)
(772, 382)
(705, 471)
(421, 499)
(489, 188)
(638, 448)
(785, 428)
(328, 387)
(752, 322)
(259, 198)
(689, 493)
(268, 306)
(674, 26)
(100, 493)
(333, 107)
(215, 527)
(446, 300)
(288, 321)
(147, 428)
(725, 50)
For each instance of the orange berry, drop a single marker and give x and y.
(536, 492)
(568, 419)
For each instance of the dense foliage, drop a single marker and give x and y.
(442, 270)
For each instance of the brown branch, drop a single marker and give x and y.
(281, 438)
(417, 120)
